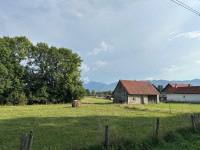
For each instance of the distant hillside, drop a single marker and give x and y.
(195, 82)
(99, 86)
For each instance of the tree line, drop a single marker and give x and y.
(38, 74)
(98, 94)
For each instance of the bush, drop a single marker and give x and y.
(17, 98)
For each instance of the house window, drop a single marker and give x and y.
(133, 98)
(184, 96)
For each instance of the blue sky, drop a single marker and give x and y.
(117, 39)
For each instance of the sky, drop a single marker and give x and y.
(117, 39)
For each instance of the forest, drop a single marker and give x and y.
(38, 74)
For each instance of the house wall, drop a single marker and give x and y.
(165, 90)
(153, 99)
(184, 97)
(120, 95)
(158, 100)
(136, 99)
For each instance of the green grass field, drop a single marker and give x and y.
(58, 127)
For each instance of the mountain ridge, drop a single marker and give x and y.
(100, 86)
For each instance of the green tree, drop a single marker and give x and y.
(110, 92)
(93, 93)
(53, 74)
(160, 88)
(87, 92)
(13, 53)
(38, 73)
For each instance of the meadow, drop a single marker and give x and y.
(59, 126)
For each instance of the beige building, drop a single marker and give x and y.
(135, 92)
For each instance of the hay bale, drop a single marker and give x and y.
(76, 103)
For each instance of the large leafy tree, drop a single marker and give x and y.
(38, 73)
(13, 52)
(53, 75)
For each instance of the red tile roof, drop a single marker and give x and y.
(179, 85)
(184, 90)
(139, 87)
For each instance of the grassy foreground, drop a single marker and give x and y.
(58, 127)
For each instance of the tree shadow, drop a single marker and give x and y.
(98, 103)
(143, 109)
(85, 132)
(90, 104)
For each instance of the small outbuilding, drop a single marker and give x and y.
(135, 92)
(184, 94)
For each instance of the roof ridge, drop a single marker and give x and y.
(178, 83)
(187, 87)
(134, 80)
(184, 90)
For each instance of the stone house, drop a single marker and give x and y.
(184, 94)
(135, 92)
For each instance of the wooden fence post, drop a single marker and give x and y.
(154, 128)
(193, 123)
(170, 108)
(157, 127)
(194, 114)
(106, 136)
(30, 140)
(23, 142)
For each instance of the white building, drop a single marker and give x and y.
(169, 86)
(184, 94)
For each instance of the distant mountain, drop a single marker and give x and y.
(99, 86)
(195, 82)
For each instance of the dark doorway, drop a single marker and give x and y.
(141, 99)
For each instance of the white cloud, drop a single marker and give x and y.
(172, 72)
(74, 13)
(189, 35)
(198, 61)
(172, 68)
(149, 78)
(42, 5)
(104, 47)
(100, 63)
(85, 68)
(86, 80)
(72, 9)
(172, 33)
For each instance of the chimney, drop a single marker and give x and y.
(175, 85)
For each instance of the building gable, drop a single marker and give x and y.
(139, 87)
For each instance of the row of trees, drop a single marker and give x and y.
(98, 94)
(38, 73)
(92, 93)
